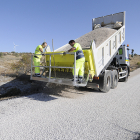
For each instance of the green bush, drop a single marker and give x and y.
(17, 66)
(138, 63)
(26, 59)
(1, 54)
(22, 66)
(16, 54)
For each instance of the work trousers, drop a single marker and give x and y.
(80, 67)
(36, 63)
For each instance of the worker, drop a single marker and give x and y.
(37, 57)
(80, 59)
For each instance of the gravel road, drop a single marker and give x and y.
(92, 116)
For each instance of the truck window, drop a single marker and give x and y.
(120, 51)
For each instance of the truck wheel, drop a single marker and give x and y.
(114, 79)
(106, 81)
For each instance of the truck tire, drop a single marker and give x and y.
(114, 79)
(106, 81)
(128, 71)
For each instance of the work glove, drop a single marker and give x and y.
(43, 54)
(64, 53)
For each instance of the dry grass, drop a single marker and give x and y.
(134, 62)
(138, 64)
(23, 65)
(5, 63)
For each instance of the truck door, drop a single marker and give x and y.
(122, 56)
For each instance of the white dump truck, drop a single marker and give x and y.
(106, 59)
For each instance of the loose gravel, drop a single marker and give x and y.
(92, 116)
(99, 35)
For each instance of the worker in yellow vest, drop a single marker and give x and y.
(80, 60)
(37, 57)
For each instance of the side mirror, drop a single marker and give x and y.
(132, 53)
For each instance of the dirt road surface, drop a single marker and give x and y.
(92, 116)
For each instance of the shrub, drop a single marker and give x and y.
(22, 66)
(26, 59)
(16, 54)
(1, 54)
(138, 63)
(17, 66)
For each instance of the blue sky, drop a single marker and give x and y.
(28, 22)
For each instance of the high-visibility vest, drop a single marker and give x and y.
(37, 51)
(78, 50)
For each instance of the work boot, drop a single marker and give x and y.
(80, 79)
(37, 75)
(76, 78)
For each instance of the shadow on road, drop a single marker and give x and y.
(41, 97)
(23, 86)
(138, 138)
(88, 89)
(19, 86)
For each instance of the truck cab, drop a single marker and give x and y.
(123, 55)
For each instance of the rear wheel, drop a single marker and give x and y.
(106, 82)
(114, 79)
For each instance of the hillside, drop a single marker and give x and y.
(134, 62)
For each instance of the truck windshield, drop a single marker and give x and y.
(120, 51)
